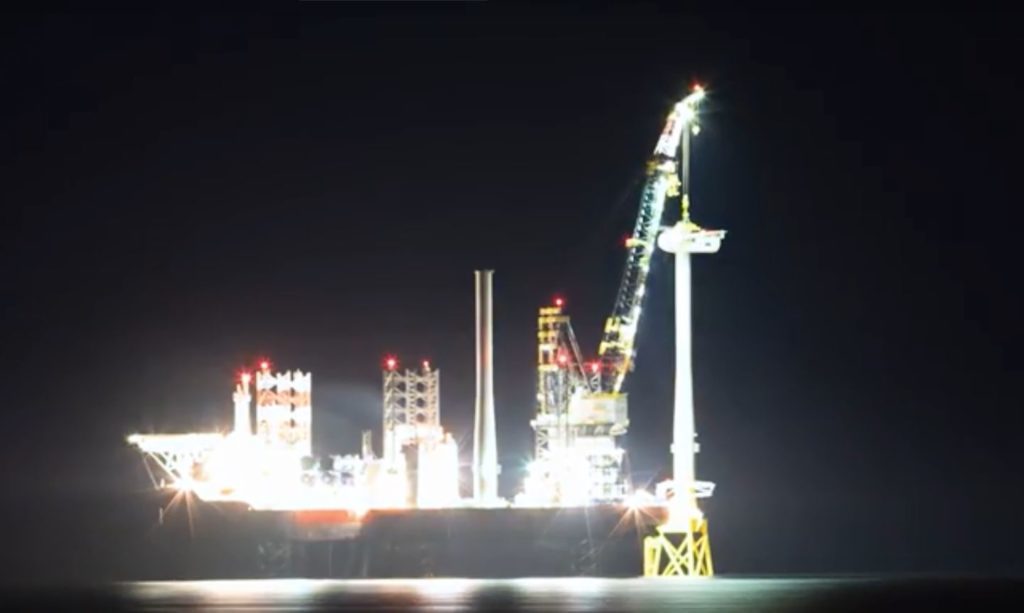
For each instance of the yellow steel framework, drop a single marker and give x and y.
(679, 551)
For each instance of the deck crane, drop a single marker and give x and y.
(581, 406)
(617, 347)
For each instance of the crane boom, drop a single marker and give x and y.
(616, 350)
(581, 408)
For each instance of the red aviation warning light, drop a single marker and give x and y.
(559, 302)
(245, 377)
(426, 365)
(264, 364)
(562, 358)
(594, 367)
(390, 362)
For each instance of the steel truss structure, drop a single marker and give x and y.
(411, 408)
(679, 551)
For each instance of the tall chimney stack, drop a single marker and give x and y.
(243, 405)
(485, 447)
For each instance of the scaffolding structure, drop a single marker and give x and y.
(419, 457)
(411, 408)
(577, 460)
(273, 468)
(284, 410)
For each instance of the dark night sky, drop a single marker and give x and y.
(187, 192)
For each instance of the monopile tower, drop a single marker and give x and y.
(681, 546)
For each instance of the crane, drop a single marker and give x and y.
(665, 179)
(581, 406)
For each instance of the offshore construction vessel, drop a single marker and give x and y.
(281, 511)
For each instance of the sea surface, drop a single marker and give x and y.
(721, 594)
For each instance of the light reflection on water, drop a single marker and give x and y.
(540, 594)
(863, 594)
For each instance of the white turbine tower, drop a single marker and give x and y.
(683, 540)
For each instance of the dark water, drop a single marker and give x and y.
(572, 594)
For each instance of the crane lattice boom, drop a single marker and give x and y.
(616, 350)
